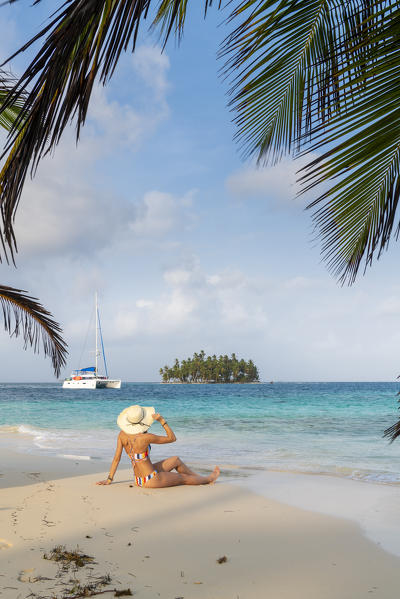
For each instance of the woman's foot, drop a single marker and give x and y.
(215, 474)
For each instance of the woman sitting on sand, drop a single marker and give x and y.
(134, 423)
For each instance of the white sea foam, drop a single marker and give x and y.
(70, 456)
(67, 443)
(27, 429)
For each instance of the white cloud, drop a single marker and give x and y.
(159, 213)
(152, 65)
(180, 307)
(177, 277)
(276, 183)
(191, 299)
(85, 281)
(228, 279)
(390, 306)
(142, 303)
(299, 283)
(79, 221)
(115, 123)
(71, 221)
(170, 313)
(238, 299)
(122, 124)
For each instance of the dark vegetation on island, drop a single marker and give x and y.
(211, 369)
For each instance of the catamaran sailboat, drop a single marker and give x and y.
(89, 378)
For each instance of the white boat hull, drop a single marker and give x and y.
(113, 384)
(92, 384)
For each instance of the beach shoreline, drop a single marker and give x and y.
(166, 542)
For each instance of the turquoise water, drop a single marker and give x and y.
(330, 428)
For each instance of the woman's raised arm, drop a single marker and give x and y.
(114, 463)
(157, 439)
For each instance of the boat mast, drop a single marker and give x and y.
(97, 319)
(102, 343)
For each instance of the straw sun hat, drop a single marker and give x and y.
(135, 419)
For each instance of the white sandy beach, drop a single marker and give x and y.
(166, 542)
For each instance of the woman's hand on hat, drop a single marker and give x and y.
(104, 482)
(156, 416)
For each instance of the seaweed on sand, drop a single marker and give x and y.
(69, 558)
(79, 591)
(87, 590)
(90, 590)
(76, 559)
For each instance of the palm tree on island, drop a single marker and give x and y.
(201, 369)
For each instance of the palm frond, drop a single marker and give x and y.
(24, 315)
(9, 115)
(392, 432)
(82, 42)
(8, 119)
(356, 216)
(172, 15)
(322, 75)
(5, 2)
(274, 59)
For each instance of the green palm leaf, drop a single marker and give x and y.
(273, 56)
(171, 15)
(322, 75)
(357, 215)
(83, 42)
(392, 432)
(24, 315)
(9, 115)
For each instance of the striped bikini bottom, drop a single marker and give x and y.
(142, 480)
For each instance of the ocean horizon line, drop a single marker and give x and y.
(264, 382)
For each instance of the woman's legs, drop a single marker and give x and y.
(173, 463)
(174, 479)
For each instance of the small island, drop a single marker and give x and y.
(202, 369)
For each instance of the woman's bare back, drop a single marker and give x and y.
(136, 445)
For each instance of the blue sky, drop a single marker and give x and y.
(188, 246)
